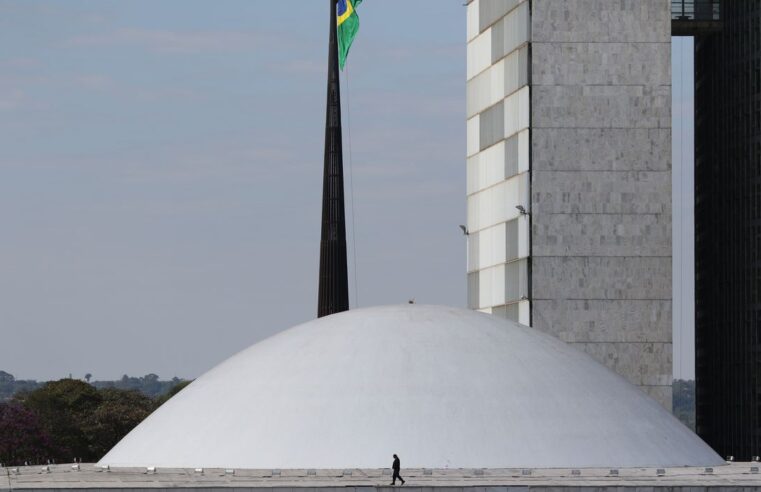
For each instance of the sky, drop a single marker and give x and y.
(683, 200)
(161, 167)
(161, 175)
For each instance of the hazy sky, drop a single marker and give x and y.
(683, 178)
(161, 167)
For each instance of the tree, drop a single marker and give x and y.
(80, 421)
(684, 401)
(22, 436)
(160, 400)
(7, 385)
(150, 385)
(62, 407)
(67, 419)
(87, 377)
(117, 414)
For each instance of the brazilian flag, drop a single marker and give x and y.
(348, 25)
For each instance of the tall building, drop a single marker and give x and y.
(728, 231)
(569, 175)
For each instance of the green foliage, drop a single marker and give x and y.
(150, 384)
(62, 406)
(67, 419)
(117, 414)
(684, 401)
(175, 389)
(22, 438)
(9, 386)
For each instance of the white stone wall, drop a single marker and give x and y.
(593, 169)
(498, 112)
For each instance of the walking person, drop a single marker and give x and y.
(396, 466)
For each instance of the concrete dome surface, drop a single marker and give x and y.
(441, 387)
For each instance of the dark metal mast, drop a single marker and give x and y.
(334, 279)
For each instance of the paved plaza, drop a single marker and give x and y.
(735, 477)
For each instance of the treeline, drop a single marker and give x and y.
(684, 401)
(71, 420)
(150, 385)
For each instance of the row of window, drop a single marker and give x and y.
(499, 122)
(501, 39)
(499, 203)
(499, 285)
(497, 82)
(499, 162)
(503, 243)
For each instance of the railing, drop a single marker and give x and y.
(696, 10)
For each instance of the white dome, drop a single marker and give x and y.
(441, 387)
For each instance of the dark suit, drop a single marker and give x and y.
(396, 466)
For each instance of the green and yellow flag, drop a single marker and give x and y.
(348, 25)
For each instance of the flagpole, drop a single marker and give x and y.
(333, 296)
